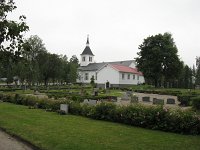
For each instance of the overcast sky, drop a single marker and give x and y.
(115, 27)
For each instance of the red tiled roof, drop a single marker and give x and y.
(127, 69)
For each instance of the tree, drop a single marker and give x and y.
(158, 59)
(92, 81)
(197, 82)
(73, 65)
(187, 77)
(11, 37)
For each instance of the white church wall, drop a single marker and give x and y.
(82, 76)
(131, 80)
(108, 74)
(85, 60)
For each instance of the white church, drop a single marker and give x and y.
(118, 73)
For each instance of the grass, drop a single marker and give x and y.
(51, 131)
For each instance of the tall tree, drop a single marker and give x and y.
(158, 59)
(197, 82)
(11, 37)
(31, 49)
(73, 65)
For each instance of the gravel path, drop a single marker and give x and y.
(7, 142)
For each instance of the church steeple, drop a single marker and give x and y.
(87, 50)
(87, 56)
(87, 43)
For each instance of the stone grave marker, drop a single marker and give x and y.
(146, 99)
(92, 102)
(170, 101)
(64, 107)
(158, 101)
(129, 93)
(125, 97)
(134, 98)
(85, 101)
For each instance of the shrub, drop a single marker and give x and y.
(185, 99)
(104, 111)
(196, 102)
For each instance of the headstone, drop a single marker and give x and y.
(158, 101)
(170, 101)
(134, 99)
(118, 99)
(85, 101)
(92, 102)
(146, 99)
(36, 93)
(129, 93)
(125, 97)
(64, 107)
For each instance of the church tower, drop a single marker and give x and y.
(87, 56)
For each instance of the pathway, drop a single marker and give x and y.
(7, 142)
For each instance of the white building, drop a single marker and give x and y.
(118, 73)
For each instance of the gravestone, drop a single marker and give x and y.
(170, 101)
(118, 99)
(64, 107)
(146, 99)
(158, 101)
(134, 98)
(85, 101)
(129, 93)
(92, 102)
(125, 97)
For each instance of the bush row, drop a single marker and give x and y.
(157, 118)
(161, 92)
(154, 117)
(42, 103)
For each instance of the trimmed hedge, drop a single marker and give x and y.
(151, 117)
(166, 92)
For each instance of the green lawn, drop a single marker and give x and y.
(49, 130)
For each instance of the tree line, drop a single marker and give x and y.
(159, 61)
(28, 59)
(36, 65)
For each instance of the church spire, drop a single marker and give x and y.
(87, 43)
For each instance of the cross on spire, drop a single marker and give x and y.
(87, 43)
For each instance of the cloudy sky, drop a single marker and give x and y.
(115, 27)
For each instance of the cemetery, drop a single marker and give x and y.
(125, 91)
(111, 105)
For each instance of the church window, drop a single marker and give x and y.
(133, 77)
(122, 76)
(128, 77)
(96, 76)
(83, 59)
(90, 59)
(138, 77)
(86, 76)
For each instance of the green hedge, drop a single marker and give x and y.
(151, 117)
(196, 102)
(161, 92)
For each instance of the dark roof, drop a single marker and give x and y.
(87, 51)
(92, 67)
(97, 66)
(124, 63)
